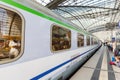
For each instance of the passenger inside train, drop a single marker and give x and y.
(14, 45)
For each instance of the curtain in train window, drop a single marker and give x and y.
(10, 34)
(80, 41)
(61, 38)
(88, 40)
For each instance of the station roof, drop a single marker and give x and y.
(91, 15)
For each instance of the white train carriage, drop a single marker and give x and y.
(36, 44)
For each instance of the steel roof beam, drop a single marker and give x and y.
(90, 7)
(92, 16)
(54, 4)
(73, 17)
(98, 29)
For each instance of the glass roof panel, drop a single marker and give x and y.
(44, 2)
(88, 14)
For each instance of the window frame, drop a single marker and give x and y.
(92, 41)
(22, 33)
(78, 40)
(87, 40)
(51, 39)
(95, 41)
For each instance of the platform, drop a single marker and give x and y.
(98, 67)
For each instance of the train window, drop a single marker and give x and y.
(61, 38)
(10, 35)
(92, 43)
(95, 41)
(88, 40)
(80, 41)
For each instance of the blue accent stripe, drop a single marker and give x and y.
(53, 69)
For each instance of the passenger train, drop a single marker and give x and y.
(37, 44)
